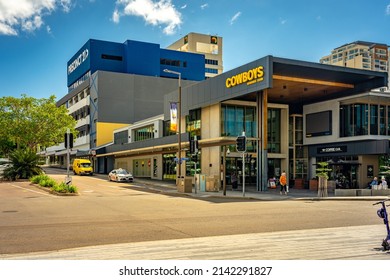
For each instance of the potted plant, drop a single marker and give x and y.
(322, 174)
(313, 184)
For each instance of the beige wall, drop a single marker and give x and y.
(211, 128)
(366, 160)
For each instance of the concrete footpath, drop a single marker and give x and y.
(343, 243)
(250, 192)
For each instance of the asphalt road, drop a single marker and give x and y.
(31, 220)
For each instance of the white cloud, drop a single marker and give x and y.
(31, 24)
(66, 5)
(235, 17)
(388, 10)
(183, 7)
(204, 6)
(283, 21)
(7, 30)
(116, 16)
(161, 12)
(26, 15)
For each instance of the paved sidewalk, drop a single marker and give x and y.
(250, 192)
(343, 243)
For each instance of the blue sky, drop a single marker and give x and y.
(38, 37)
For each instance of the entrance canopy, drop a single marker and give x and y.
(286, 81)
(306, 82)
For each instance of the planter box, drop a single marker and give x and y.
(345, 192)
(313, 185)
(299, 184)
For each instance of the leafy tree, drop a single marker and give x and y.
(24, 165)
(30, 122)
(322, 174)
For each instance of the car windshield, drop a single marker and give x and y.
(85, 165)
(122, 171)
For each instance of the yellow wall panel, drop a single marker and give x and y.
(105, 132)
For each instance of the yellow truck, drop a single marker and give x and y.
(82, 167)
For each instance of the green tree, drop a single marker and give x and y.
(322, 174)
(24, 165)
(30, 122)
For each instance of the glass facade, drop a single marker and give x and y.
(364, 119)
(144, 133)
(273, 133)
(236, 119)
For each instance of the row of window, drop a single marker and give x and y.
(364, 119)
(355, 120)
(81, 113)
(211, 61)
(172, 62)
(211, 71)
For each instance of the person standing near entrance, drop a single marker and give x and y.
(384, 183)
(234, 181)
(283, 183)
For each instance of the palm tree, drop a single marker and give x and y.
(23, 165)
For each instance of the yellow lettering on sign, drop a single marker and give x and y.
(251, 76)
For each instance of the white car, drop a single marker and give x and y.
(120, 175)
(4, 163)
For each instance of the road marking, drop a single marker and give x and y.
(42, 193)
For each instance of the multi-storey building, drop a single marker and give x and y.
(361, 55)
(209, 45)
(294, 114)
(112, 85)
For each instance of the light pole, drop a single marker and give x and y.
(179, 125)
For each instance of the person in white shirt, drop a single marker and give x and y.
(384, 183)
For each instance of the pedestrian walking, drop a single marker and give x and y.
(283, 183)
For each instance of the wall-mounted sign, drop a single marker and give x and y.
(370, 171)
(214, 40)
(78, 61)
(336, 149)
(249, 77)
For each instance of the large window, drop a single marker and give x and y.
(374, 119)
(193, 123)
(144, 133)
(273, 133)
(364, 119)
(236, 119)
(353, 120)
(121, 137)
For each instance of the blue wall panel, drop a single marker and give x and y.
(192, 66)
(133, 57)
(142, 58)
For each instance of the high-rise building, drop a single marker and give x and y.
(361, 55)
(209, 45)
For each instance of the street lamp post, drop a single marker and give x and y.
(179, 120)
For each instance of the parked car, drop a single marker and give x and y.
(82, 166)
(4, 163)
(120, 175)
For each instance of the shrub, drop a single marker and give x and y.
(47, 182)
(38, 178)
(64, 188)
(23, 165)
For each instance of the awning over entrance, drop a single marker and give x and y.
(304, 82)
